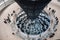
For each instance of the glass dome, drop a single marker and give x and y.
(33, 27)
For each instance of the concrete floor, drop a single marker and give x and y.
(6, 31)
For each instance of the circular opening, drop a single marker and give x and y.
(33, 27)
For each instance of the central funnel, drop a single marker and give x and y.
(32, 7)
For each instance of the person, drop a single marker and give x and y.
(49, 8)
(12, 14)
(52, 35)
(56, 20)
(8, 19)
(53, 11)
(13, 11)
(13, 33)
(5, 21)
